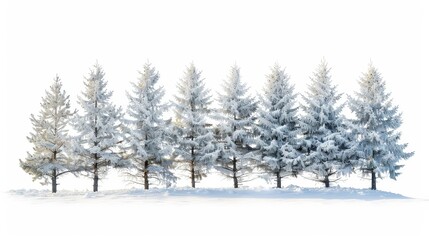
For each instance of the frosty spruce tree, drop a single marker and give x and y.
(195, 145)
(327, 145)
(377, 122)
(277, 127)
(236, 116)
(147, 133)
(48, 160)
(97, 129)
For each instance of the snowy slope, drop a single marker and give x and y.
(335, 213)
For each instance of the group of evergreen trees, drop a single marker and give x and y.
(273, 137)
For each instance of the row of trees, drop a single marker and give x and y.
(272, 137)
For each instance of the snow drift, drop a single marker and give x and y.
(290, 192)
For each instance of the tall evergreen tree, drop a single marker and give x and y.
(327, 144)
(377, 121)
(236, 115)
(147, 132)
(50, 137)
(195, 146)
(98, 128)
(278, 127)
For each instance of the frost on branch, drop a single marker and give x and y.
(50, 139)
(277, 127)
(196, 147)
(236, 116)
(327, 146)
(376, 123)
(148, 135)
(98, 129)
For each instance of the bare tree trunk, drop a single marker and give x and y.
(95, 186)
(278, 179)
(145, 175)
(54, 173)
(193, 173)
(54, 181)
(193, 165)
(373, 180)
(326, 181)
(234, 172)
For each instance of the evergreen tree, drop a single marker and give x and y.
(278, 127)
(50, 137)
(377, 122)
(236, 121)
(327, 144)
(98, 128)
(147, 133)
(195, 145)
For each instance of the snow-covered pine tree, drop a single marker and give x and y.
(277, 126)
(98, 128)
(327, 145)
(196, 146)
(377, 122)
(236, 116)
(50, 137)
(147, 133)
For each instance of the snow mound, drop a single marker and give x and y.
(289, 192)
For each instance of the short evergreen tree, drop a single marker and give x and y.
(236, 116)
(277, 126)
(377, 122)
(147, 132)
(327, 144)
(98, 129)
(196, 144)
(48, 160)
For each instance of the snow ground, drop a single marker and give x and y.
(337, 213)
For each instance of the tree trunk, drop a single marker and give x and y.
(54, 181)
(145, 175)
(193, 165)
(373, 180)
(95, 186)
(234, 172)
(326, 181)
(278, 179)
(54, 172)
(193, 173)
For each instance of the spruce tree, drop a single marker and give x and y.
(236, 116)
(98, 128)
(377, 122)
(196, 147)
(327, 144)
(48, 160)
(277, 126)
(147, 132)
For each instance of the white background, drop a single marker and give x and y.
(39, 39)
